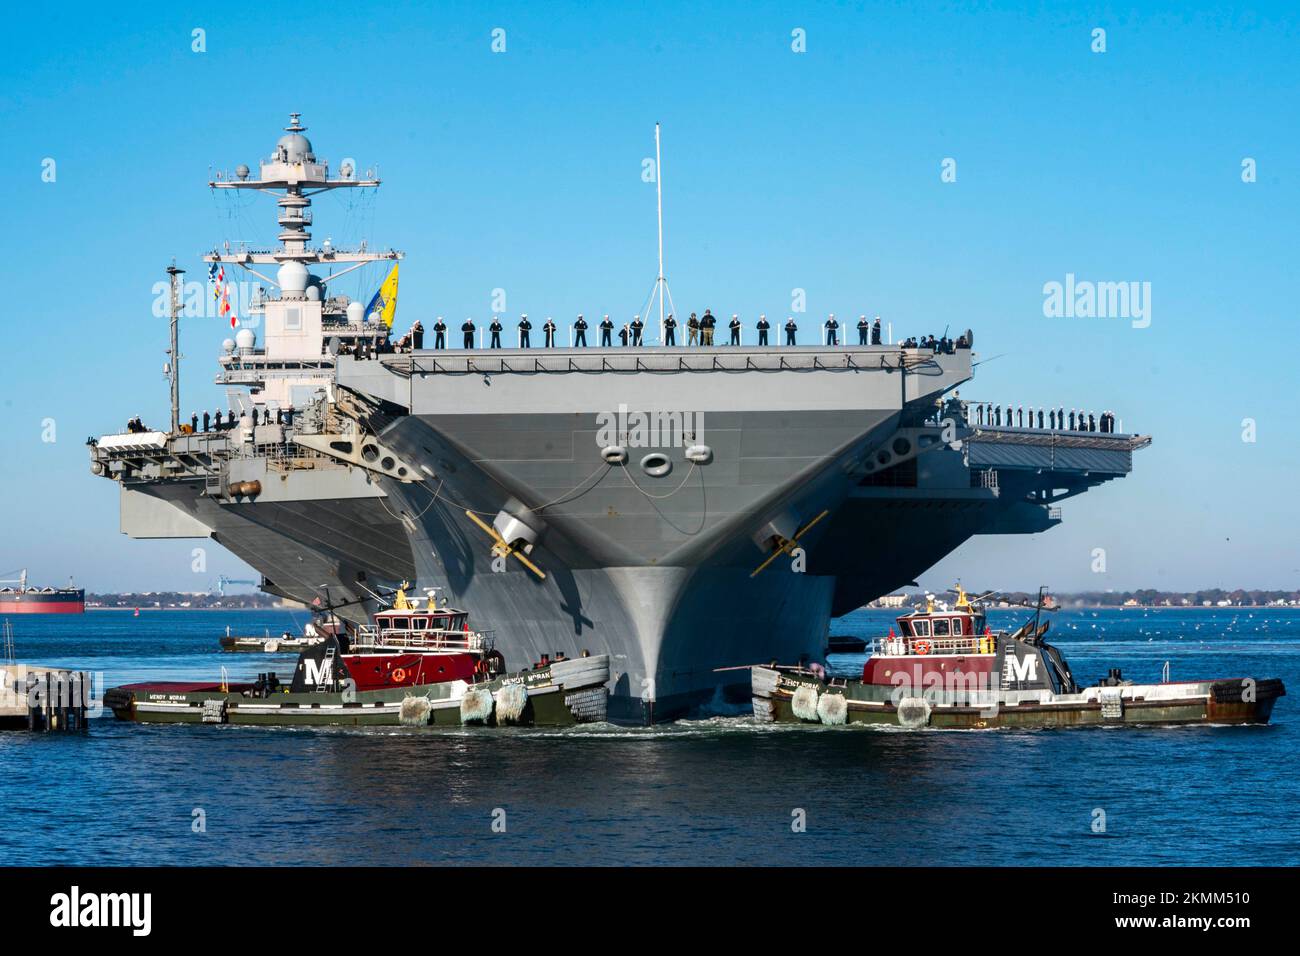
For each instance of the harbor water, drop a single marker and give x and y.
(715, 790)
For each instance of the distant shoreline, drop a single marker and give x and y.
(147, 607)
(1105, 607)
(1112, 607)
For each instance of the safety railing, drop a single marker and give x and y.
(429, 639)
(903, 646)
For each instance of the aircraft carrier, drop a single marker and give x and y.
(683, 509)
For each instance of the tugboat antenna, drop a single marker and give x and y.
(1038, 610)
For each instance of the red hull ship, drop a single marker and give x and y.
(25, 600)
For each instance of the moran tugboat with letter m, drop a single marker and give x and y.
(418, 664)
(945, 667)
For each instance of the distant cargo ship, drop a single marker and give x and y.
(25, 600)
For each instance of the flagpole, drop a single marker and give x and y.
(659, 202)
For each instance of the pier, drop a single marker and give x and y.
(37, 698)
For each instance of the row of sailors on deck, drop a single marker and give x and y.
(218, 423)
(1056, 419)
(942, 344)
(699, 331)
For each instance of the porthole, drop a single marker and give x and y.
(370, 452)
(656, 464)
(902, 446)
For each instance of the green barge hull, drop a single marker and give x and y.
(560, 694)
(796, 696)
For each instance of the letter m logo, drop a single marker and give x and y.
(318, 672)
(1022, 668)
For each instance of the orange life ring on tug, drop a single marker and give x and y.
(399, 675)
(921, 647)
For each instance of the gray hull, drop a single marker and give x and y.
(318, 535)
(655, 570)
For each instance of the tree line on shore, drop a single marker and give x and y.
(182, 600)
(1150, 597)
(1145, 597)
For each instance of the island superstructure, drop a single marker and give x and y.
(683, 510)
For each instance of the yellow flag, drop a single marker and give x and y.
(384, 301)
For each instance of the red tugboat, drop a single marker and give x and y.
(418, 664)
(25, 600)
(409, 645)
(945, 667)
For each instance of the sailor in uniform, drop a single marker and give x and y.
(417, 335)
(864, 329)
(637, 327)
(763, 326)
(549, 331)
(580, 333)
(468, 329)
(670, 331)
(524, 328)
(875, 331)
(790, 330)
(495, 328)
(734, 325)
(606, 332)
(832, 331)
(439, 334)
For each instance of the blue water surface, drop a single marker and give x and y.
(716, 790)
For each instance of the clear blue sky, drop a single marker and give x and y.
(818, 170)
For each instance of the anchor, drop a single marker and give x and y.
(503, 548)
(787, 545)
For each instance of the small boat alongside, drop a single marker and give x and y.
(417, 665)
(945, 667)
(313, 633)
